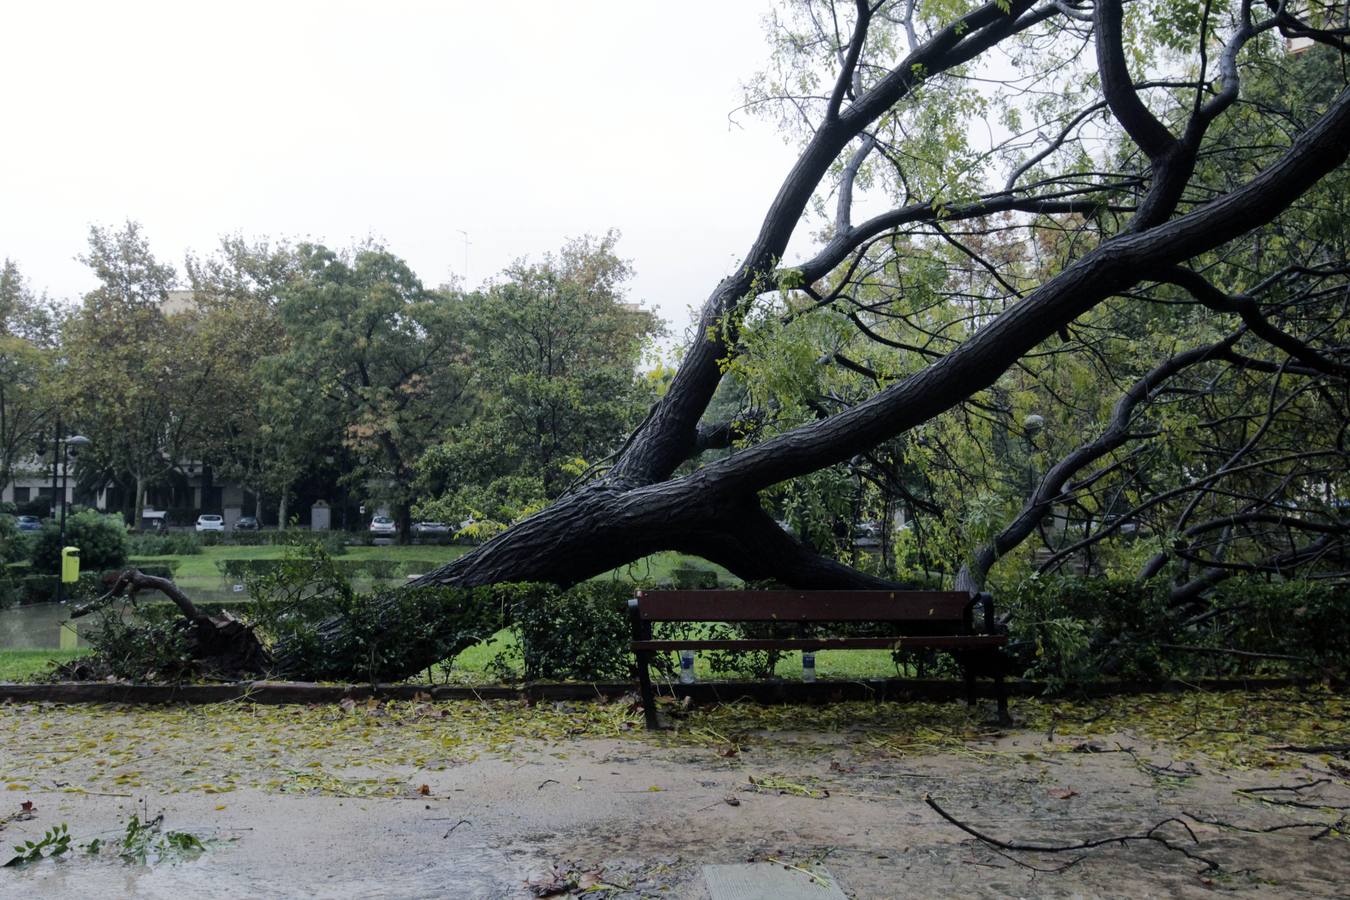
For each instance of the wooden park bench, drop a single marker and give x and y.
(955, 621)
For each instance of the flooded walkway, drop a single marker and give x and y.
(483, 800)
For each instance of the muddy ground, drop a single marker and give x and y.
(480, 800)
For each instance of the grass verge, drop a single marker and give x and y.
(22, 665)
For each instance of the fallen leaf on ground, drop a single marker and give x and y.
(551, 885)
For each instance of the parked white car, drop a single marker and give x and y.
(383, 525)
(210, 523)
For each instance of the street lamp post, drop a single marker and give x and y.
(63, 449)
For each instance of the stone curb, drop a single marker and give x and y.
(768, 692)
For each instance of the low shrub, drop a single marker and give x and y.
(240, 570)
(335, 542)
(138, 649)
(38, 506)
(687, 577)
(166, 611)
(158, 568)
(102, 541)
(10, 593)
(177, 543)
(1308, 619)
(578, 634)
(1073, 631)
(15, 545)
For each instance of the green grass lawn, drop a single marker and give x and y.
(473, 665)
(22, 665)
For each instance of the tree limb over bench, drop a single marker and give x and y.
(955, 621)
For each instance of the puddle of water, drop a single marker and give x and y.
(40, 626)
(476, 874)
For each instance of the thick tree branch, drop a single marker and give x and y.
(1278, 564)
(668, 435)
(844, 83)
(131, 582)
(1099, 274)
(1156, 562)
(1200, 483)
(1051, 485)
(1206, 293)
(1139, 123)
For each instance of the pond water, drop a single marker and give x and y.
(47, 626)
(40, 626)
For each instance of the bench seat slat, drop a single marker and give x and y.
(803, 606)
(904, 642)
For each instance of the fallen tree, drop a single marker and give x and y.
(894, 66)
(219, 645)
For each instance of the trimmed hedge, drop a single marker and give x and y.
(160, 566)
(165, 611)
(333, 542)
(173, 544)
(241, 570)
(42, 588)
(1067, 632)
(687, 577)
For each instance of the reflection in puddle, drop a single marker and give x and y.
(478, 873)
(41, 626)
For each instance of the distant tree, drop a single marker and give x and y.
(262, 431)
(378, 353)
(135, 379)
(555, 349)
(28, 365)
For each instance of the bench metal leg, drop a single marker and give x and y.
(968, 670)
(645, 687)
(642, 631)
(1002, 689)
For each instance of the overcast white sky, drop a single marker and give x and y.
(521, 123)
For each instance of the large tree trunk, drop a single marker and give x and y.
(138, 510)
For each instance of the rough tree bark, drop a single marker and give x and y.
(640, 507)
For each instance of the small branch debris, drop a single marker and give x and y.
(1150, 835)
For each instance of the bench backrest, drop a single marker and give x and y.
(938, 608)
